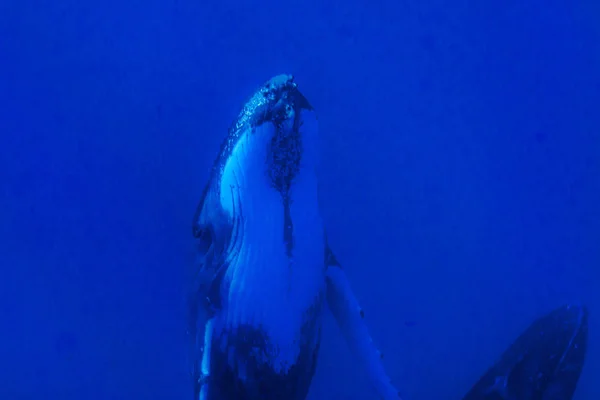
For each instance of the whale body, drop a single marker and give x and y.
(265, 271)
(543, 363)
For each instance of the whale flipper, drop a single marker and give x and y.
(544, 363)
(350, 318)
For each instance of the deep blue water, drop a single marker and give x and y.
(461, 184)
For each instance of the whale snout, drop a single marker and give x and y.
(277, 100)
(274, 137)
(570, 322)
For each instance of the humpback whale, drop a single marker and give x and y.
(264, 270)
(543, 363)
(264, 273)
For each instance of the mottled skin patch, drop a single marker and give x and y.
(262, 382)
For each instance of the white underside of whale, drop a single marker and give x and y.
(264, 287)
(268, 289)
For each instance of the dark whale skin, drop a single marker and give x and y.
(543, 363)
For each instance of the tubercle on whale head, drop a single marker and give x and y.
(272, 101)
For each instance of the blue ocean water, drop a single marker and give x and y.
(461, 179)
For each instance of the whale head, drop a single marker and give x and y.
(264, 169)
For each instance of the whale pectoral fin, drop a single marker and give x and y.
(202, 384)
(350, 317)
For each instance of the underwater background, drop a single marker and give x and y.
(461, 179)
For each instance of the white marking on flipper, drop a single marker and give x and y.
(346, 310)
(205, 363)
